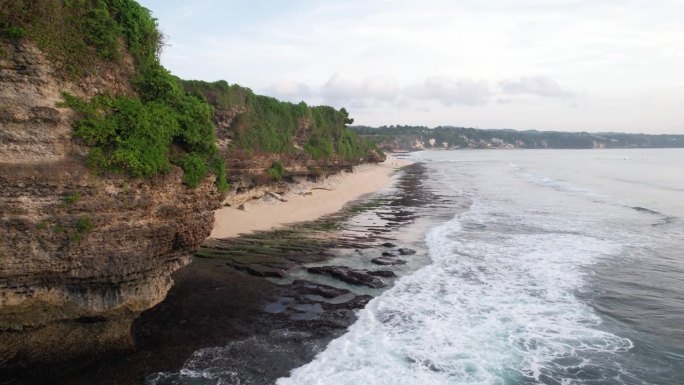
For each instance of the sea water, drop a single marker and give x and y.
(567, 268)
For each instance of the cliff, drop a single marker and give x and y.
(109, 178)
(80, 254)
(111, 168)
(256, 132)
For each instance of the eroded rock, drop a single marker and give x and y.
(258, 270)
(382, 273)
(306, 288)
(349, 275)
(388, 261)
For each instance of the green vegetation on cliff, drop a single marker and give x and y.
(266, 125)
(80, 33)
(140, 134)
(276, 171)
(143, 137)
(162, 120)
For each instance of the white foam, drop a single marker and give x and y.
(496, 306)
(499, 304)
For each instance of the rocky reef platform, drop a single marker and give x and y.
(259, 305)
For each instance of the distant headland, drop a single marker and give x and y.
(409, 138)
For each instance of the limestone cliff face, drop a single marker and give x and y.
(80, 254)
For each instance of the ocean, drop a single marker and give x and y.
(564, 267)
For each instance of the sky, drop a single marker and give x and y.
(565, 65)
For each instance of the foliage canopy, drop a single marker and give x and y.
(265, 124)
(143, 134)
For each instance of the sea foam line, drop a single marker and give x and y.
(494, 306)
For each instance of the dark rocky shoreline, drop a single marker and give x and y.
(257, 306)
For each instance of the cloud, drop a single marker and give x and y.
(339, 90)
(291, 91)
(535, 85)
(392, 47)
(451, 92)
(381, 89)
(372, 92)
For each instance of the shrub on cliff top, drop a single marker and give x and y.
(143, 134)
(135, 137)
(265, 124)
(81, 33)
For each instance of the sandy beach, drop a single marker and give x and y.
(325, 197)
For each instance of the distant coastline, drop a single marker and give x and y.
(412, 138)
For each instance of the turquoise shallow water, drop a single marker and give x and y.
(567, 268)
